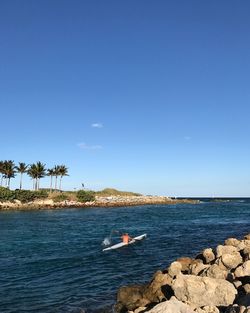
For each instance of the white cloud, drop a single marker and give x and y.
(84, 146)
(97, 125)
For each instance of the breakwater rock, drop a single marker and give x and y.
(111, 201)
(138, 200)
(215, 281)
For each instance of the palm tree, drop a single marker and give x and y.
(50, 172)
(8, 171)
(56, 174)
(41, 172)
(32, 173)
(36, 171)
(63, 171)
(21, 168)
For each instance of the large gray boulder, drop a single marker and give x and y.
(130, 298)
(246, 242)
(208, 255)
(171, 306)
(220, 264)
(243, 270)
(197, 268)
(239, 244)
(246, 253)
(231, 261)
(174, 269)
(220, 250)
(214, 271)
(159, 288)
(186, 262)
(202, 291)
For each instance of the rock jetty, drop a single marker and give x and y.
(111, 201)
(215, 281)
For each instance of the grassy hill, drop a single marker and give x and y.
(107, 192)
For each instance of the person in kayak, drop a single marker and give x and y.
(126, 238)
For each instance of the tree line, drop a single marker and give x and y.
(36, 171)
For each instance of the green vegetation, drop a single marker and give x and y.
(36, 171)
(22, 168)
(7, 169)
(85, 196)
(60, 197)
(22, 195)
(113, 192)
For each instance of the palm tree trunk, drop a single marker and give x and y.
(21, 181)
(50, 183)
(9, 183)
(60, 183)
(56, 183)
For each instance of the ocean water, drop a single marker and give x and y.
(52, 260)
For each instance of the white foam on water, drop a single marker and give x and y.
(106, 241)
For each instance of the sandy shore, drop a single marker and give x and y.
(112, 201)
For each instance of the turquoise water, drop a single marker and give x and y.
(52, 260)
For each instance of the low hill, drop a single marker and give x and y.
(107, 192)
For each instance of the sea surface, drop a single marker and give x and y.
(52, 260)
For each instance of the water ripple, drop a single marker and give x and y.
(52, 261)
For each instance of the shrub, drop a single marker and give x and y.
(21, 195)
(40, 194)
(6, 194)
(28, 195)
(59, 198)
(24, 195)
(85, 196)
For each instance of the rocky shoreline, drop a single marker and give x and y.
(111, 201)
(215, 281)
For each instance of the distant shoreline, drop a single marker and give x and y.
(110, 201)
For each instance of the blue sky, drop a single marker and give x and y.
(147, 96)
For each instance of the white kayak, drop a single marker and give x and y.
(121, 244)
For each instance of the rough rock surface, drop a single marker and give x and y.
(208, 309)
(217, 280)
(208, 255)
(231, 261)
(171, 306)
(214, 271)
(243, 270)
(220, 250)
(159, 288)
(202, 291)
(240, 245)
(185, 263)
(130, 297)
(246, 253)
(197, 268)
(174, 269)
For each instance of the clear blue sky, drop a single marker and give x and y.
(147, 96)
